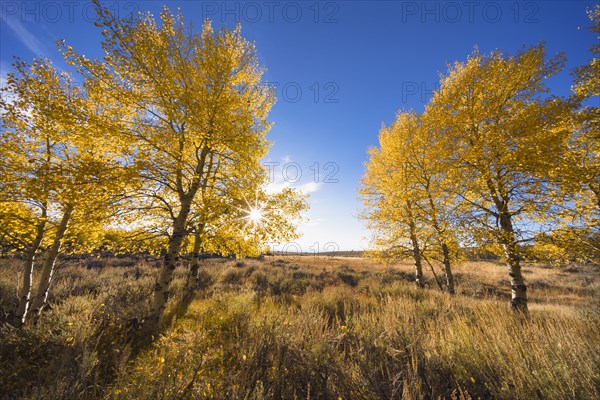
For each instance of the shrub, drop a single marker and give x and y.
(232, 277)
(348, 279)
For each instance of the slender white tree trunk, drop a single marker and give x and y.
(27, 283)
(508, 241)
(416, 249)
(517, 283)
(41, 296)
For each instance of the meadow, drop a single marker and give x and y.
(158, 142)
(304, 327)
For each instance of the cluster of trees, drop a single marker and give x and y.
(156, 147)
(493, 161)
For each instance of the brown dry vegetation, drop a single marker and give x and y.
(305, 327)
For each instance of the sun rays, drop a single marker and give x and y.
(254, 212)
(255, 215)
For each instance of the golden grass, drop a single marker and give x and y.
(308, 328)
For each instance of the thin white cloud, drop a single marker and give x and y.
(309, 187)
(25, 37)
(275, 187)
(305, 188)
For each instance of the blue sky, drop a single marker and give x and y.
(342, 68)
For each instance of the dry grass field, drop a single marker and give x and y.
(305, 328)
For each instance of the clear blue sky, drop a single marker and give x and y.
(342, 67)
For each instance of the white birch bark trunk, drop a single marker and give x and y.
(24, 293)
(416, 249)
(517, 283)
(47, 273)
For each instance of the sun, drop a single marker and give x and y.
(255, 215)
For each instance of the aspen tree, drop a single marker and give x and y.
(56, 167)
(504, 135)
(199, 105)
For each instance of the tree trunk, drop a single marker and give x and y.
(433, 272)
(194, 263)
(163, 283)
(25, 289)
(517, 283)
(41, 295)
(447, 268)
(416, 256)
(443, 244)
